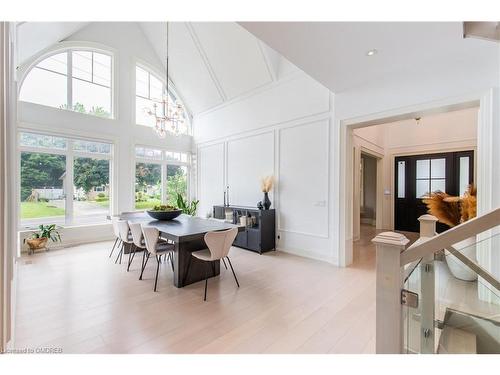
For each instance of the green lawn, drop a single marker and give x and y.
(150, 203)
(31, 210)
(103, 203)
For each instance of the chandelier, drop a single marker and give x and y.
(169, 114)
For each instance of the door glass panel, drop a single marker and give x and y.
(464, 174)
(438, 168)
(176, 183)
(422, 188)
(147, 185)
(43, 186)
(401, 179)
(439, 184)
(423, 168)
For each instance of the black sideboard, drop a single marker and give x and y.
(259, 234)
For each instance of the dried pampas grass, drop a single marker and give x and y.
(452, 210)
(266, 184)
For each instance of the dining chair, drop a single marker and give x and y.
(157, 247)
(138, 240)
(219, 243)
(116, 232)
(125, 237)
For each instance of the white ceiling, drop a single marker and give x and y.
(210, 63)
(334, 53)
(34, 37)
(215, 62)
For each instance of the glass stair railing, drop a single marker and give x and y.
(458, 308)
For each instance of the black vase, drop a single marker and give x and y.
(266, 202)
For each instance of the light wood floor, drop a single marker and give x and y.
(79, 300)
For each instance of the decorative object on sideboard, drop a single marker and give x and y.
(453, 211)
(266, 186)
(260, 206)
(243, 221)
(39, 239)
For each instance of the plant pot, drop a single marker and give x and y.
(457, 268)
(37, 243)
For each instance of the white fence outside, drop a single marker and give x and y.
(50, 193)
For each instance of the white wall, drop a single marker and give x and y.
(130, 46)
(282, 129)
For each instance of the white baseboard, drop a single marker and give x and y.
(310, 255)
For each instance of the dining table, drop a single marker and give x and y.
(187, 234)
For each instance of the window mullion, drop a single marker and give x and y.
(164, 196)
(70, 80)
(69, 188)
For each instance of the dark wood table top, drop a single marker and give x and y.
(183, 228)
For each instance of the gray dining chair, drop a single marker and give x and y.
(219, 243)
(157, 247)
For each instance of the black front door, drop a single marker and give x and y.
(417, 175)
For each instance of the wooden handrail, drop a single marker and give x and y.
(451, 236)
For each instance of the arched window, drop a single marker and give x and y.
(149, 89)
(76, 79)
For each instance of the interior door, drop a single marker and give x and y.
(417, 175)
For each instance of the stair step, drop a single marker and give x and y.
(457, 341)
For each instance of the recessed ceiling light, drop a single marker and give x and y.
(371, 52)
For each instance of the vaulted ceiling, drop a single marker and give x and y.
(210, 62)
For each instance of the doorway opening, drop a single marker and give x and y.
(418, 152)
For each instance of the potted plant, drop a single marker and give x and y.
(39, 239)
(453, 211)
(188, 208)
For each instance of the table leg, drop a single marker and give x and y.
(188, 269)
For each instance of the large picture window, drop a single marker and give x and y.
(159, 177)
(78, 80)
(63, 181)
(149, 91)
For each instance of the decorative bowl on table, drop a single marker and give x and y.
(164, 212)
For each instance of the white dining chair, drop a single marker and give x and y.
(125, 237)
(219, 243)
(116, 233)
(138, 240)
(157, 247)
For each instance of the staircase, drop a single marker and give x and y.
(422, 304)
(465, 333)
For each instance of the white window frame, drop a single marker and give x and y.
(153, 72)
(69, 48)
(70, 155)
(163, 162)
